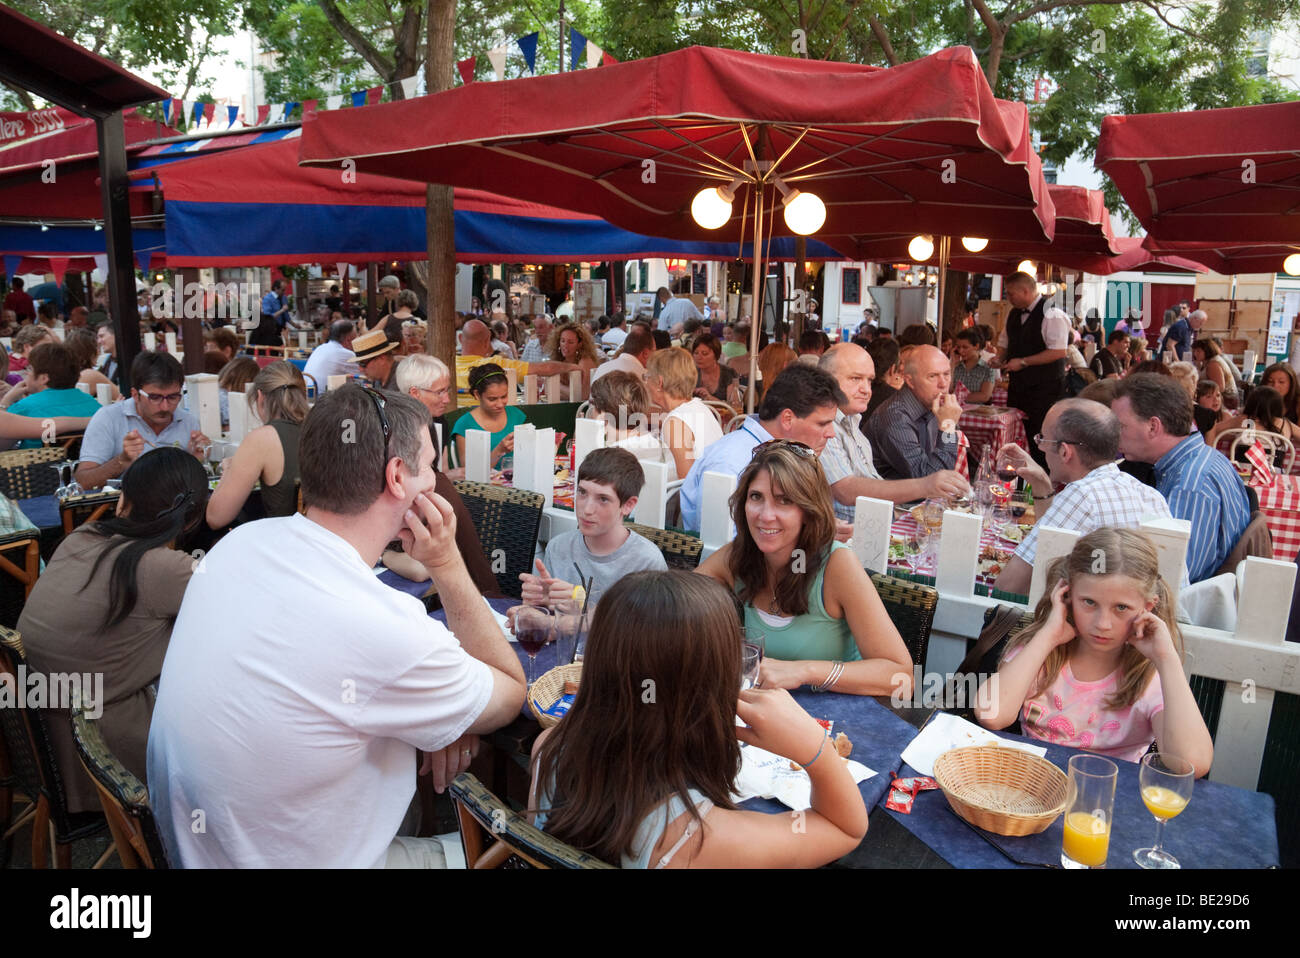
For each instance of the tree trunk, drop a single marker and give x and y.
(953, 308)
(800, 280)
(440, 223)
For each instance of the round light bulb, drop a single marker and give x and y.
(1028, 266)
(974, 244)
(1291, 265)
(920, 248)
(805, 214)
(709, 209)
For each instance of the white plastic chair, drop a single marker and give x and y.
(1272, 442)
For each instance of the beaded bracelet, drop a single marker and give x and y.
(818, 755)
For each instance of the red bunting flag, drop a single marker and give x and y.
(373, 95)
(209, 111)
(263, 111)
(59, 267)
(466, 68)
(607, 59)
(178, 116)
(309, 106)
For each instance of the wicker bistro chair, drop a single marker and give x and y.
(495, 836)
(124, 799)
(681, 550)
(20, 564)
(911, 608)
(507, 521)
(26, 473)
(34, 772)
(76, 511)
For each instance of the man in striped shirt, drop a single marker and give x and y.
(914, 434)
(1199, 483)
(1080, 440)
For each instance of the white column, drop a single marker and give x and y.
(170, 339)
(478, 451)
(205, 402)
(553, 388)
(576, 392)
(871, 521)
(302, 339)
(1170, 537)
(588, 434)
(237, 402)
(104, 393)
(84, 387)
(651, 504)
(254, 421)
(1052, 544)
(336, 381)
(716, 528)
(536, 472)
(512, 386)
(150, 341)
(530, 388)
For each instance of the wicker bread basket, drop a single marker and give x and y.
(549, 689)
(1002, 790)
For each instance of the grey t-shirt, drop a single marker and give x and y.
(568, 552)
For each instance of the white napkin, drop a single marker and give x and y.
(766, 775)
(502, 622)
(946, 731)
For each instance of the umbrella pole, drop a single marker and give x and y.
(757, 298)
(945, 246)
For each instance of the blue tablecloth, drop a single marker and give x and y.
(402, 584)
(1222, 827)
(42, 510)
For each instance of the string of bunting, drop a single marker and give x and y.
(183, 114)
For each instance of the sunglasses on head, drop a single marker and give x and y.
(381, 404)
(798, 448)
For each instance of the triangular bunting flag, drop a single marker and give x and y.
(498, 60)
(334, 102)
(593, 55)
(310, 106)
(341, 269)
(209, 111)
(408, 87)
(167, 111)
(606, 60)
(278, 112)
(578, 42)
(263, 111)
(11, 266)
(359, 98)
(178, 113)
(528, 46)
(374, 94)
(101, 262)
(232, 114)
(466, 68)
(59, 267)
(198, 112)
(288, 110)
(144, 258)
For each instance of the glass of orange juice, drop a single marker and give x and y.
(1090, 800)
(1166, 783)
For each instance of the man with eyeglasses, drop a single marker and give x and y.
(1080, 440)
(119, 434)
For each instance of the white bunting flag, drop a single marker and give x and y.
(408, 87)
(594, 53)
(497, 58)
(187, 113)
(277, 113)
(341, 269)
(101, 262)
(334, 102)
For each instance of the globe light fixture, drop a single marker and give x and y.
(920, 248)
(711, 207)
(805, 213)
(974, 244)
(1028, 266)
(1291, 265)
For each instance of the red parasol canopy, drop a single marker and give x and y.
(924, 143)
(1227, 258)
(1226, 176)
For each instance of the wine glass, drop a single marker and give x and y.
(73, 487)
(752, 650)
(61, 491)
(1166, 783)
(534, 627)
(915, 545)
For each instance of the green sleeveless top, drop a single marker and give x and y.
(812, 636)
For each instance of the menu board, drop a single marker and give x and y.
(1286, 310)
(588, 299)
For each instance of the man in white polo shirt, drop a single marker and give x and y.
(637, 347)
(299, 690)
(119, 434)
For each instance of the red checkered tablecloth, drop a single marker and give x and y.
(1280, 503)
(999, 397)
(996, 425)
(905, 524)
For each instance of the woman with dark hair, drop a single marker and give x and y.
(713, 380)
(268, 454)
(1281, 378)
(1217, 368)
(824, 624)
(488, 384)
(633, 784)
(85, 347)
(106, 604)
(1265, 409)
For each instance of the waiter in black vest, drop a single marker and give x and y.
(1032, 349)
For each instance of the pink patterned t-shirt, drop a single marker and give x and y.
(1072, 713)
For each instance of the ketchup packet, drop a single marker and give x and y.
(921, 783)
(900, 801)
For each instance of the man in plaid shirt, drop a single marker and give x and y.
(1080, 440)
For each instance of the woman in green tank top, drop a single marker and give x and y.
(268, 454)
(822, 621)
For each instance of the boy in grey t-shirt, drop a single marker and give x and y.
(602, 547)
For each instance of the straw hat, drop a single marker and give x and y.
(372, 344)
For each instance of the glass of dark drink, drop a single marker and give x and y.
(534, 628)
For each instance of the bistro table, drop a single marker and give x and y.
(992, 425)
(1280, 503)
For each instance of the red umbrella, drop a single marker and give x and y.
(1227, 176)
(924, 143)
(1230, 258)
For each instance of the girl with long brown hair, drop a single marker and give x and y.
(642, 768)
(806, 593)
(1101, 666)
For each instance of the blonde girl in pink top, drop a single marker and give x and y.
(1101, 666)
